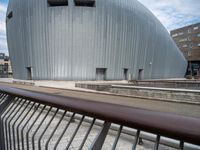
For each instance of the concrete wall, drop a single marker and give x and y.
(157, 93)
(188, 96)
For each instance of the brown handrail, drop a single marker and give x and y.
(178, 127)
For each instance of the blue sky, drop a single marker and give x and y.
(172, 14)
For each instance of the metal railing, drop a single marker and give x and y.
(31, 120)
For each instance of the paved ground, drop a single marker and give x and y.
(192, 110)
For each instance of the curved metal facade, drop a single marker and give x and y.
(70, 42)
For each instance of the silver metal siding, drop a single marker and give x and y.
(69, 42)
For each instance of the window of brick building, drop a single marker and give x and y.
(175, 35)
(183, 40)
(185, 45)
(181, 33)
(196, 28)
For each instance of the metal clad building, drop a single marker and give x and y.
(89, 40)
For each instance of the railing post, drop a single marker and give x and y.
(157, 142)
(3, 107)
(98, 143)
(137, 139)
(181, 146)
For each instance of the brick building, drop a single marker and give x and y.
(5, 66)
(188, 41)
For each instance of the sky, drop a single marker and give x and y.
(172, 14)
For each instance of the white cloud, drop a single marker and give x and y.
(3, 42)
(174, 13)
(2, 17)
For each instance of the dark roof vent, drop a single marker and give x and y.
(87, 3)
(58, 2)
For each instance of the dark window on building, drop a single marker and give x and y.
(53, 3)
(86, 3)
(1, 67)
(140, 74)
(29, 73)
(2, 55)
(101, 73)
(6, 58)
(10, 15)
(125, 74)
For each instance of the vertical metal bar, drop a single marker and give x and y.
(40, 138)
(136, 139)
(1, 95)
(17, 120)
(7, 99)
(6, 124)
(4, 105)
(181, 146)
(27, 133)
(29, 110)
(2, 100)
(98, 143)
(22, 135)
(33, 137)
(56, 127)
(9, 127)
(157, 142)
(3, 126)
(3, 108)
(4, 120)
(62, 134)
(117, 138)
(75, 132)
(87, 134)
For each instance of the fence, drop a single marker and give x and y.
(31, 120)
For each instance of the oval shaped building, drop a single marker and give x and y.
(89, 40)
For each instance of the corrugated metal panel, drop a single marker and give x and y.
(70, 42)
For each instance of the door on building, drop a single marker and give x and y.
(101, 74)
(140, 74)
(125, 74)
(29, 73)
